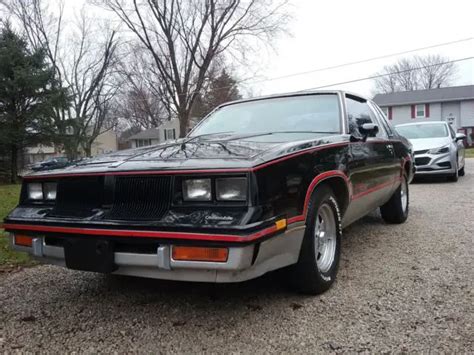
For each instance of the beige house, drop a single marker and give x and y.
(105, 142)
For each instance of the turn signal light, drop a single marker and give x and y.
(281, 224)
(200, 254)
(23, 240)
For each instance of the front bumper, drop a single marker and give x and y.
(435, 164)
(244, 262)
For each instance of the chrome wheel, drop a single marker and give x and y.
(404, 194)
(325, 234)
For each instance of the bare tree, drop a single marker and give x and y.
(142, 100)
(183, 37)
(416, 73)
(83, 59)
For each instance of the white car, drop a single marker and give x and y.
(437, 149)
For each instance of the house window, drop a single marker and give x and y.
(170, 134)
(143, 142)
(420, 111)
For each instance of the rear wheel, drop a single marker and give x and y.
(320, 252)
(396, 209)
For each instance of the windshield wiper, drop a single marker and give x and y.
(191, 139)
(272, 133)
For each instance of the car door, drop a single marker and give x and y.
(372, 166)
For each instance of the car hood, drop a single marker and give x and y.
(429, 143)
(224, 153)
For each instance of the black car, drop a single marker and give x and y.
(258, 185)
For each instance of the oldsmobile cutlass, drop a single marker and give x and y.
(260, 184)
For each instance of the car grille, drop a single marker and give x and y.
(78, 197)
(422, 161)
(140, 198)
(419, 152)
(119, 198)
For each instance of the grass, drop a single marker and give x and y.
(470, 153)
(10, 259)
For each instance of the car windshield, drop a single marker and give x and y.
(297, 114)
(416, 131)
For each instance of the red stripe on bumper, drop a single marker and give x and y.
(142, 234)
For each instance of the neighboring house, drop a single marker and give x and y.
(452, 104)
(167, 131)
(105, 142)
(38, 153)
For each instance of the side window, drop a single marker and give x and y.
(358, 113)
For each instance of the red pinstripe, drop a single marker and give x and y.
(142, 234)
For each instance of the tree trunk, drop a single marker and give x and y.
(88, 149)
(13, 163)
(183, 123)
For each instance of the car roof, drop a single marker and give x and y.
(293, 94)
(420, 123)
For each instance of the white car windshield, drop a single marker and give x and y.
(297, 114)
(417, 131)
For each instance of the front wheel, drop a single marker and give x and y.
(395, 210)
(462, 172)
(321, 248)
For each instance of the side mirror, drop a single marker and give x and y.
(460, 137)
(368, 130)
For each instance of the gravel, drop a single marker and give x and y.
(400, 288)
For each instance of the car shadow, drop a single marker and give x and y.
(433, 179)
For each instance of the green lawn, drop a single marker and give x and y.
(10, 259)
(470, 153)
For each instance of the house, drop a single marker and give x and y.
(106, 142)
(37, 153)
(167, 131)
(452, 104)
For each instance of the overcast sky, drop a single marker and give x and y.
(327, 33)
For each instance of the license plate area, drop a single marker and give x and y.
(89, 255)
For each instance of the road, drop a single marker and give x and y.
(400, 288)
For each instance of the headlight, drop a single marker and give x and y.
(49, 190)
(197, 190)
(38, 191)
(231, 189)
(35, 191)
(440, 150)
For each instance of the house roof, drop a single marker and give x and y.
(152, 133)
(453, 93)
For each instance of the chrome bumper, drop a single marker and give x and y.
(277, 252)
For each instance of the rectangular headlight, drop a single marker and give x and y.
(35, 191)
(231, 189)
(49, 190)
(197, 190)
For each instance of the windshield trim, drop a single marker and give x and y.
(342, 126)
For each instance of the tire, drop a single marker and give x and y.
(454, 177)
(395, 210)
(462, 172)
(316, 269)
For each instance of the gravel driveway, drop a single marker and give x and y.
(400, 288)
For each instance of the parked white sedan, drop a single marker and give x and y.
(437, 149)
